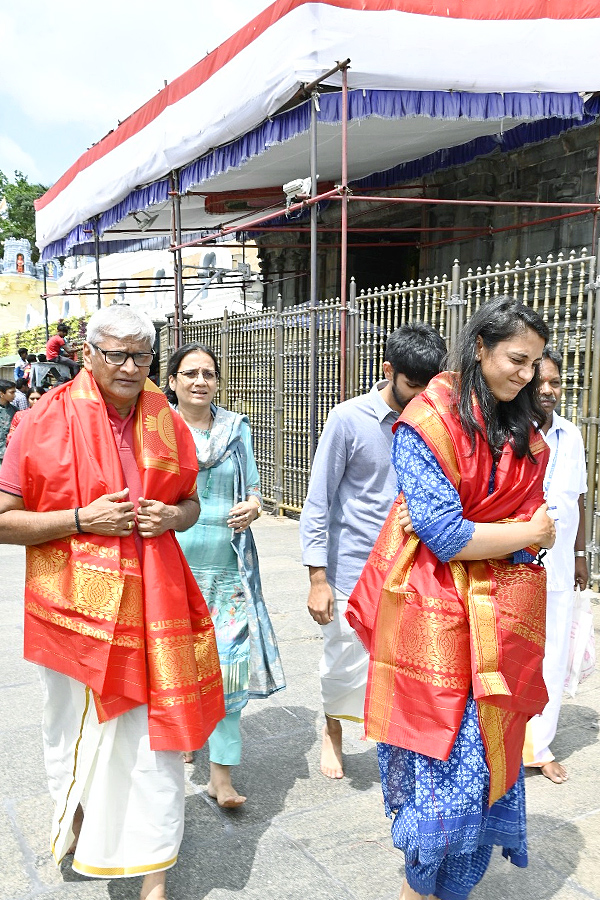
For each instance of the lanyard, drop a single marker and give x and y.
(549, 474)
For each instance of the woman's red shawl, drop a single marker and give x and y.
(134, 630)
(436, 630)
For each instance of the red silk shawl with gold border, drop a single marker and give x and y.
(134, 630)
(434, 630)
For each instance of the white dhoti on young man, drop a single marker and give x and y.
(352, 487)
(564, 483)
(132, 797)
(344, 666)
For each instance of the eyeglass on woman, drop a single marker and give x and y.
(192, 374)
(120, 357)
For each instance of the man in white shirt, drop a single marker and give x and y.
(565, 486)
(352, 487)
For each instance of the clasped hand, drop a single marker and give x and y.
(543, 525)
(114, 515)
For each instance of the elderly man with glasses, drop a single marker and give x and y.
(113, 615)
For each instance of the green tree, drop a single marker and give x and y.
(19, 221)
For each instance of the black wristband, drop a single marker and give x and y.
(77, 522)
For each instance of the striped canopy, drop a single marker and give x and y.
(431, 84)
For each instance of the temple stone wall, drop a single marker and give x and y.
(561, 169)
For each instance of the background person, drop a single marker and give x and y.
(222, 555)
(58, 350)
(352, 487)
(7, 411)
(31, 359)
(113, 616)
(452, 614)
(565, 485)
(20, 398)
(33, 395)
(21, 368)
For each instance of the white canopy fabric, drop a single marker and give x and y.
(425, 76)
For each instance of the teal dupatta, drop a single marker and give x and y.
(225, 441)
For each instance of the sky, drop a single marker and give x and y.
(69, 71)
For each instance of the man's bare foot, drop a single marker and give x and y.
(555, 772)
(221, 789)
(153, 886)
(331, 749)
(76, 826)
(188, 756)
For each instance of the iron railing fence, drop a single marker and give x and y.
(266, 359)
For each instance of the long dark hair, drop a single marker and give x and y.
(175, 362)
(495, 321)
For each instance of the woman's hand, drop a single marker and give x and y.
(545, 533)
(404, 518)
(242, 515)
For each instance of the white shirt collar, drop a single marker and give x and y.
(557, 424)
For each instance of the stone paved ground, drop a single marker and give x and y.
(299, 836)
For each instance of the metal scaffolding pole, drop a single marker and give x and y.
(174, 332)
(312, 322)
(178, 266)
(336, 194)
(97, 256)
(344, 236)
(45, 299)
(224, 378)
(278, 412)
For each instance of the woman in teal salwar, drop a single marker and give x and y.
(222, 555)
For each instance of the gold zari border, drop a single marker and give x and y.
(125, 870)
(490, 721)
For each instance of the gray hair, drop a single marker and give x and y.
(120, 322)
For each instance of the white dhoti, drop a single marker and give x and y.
(344, 666)
(541, 730)
(133, 797)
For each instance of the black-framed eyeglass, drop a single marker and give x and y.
(192, 374)
(120, 357)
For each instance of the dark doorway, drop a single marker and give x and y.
(372, 267)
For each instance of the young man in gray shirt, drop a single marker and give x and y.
(352, 487)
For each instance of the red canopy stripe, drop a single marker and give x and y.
(206, 68)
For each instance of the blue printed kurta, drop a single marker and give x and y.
(441, 818)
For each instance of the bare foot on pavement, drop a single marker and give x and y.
(555, 772)
(331, 749)
(221, 789)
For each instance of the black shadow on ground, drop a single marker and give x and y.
(362, 769)
(219, 846)
(577, 729)
(546, 873)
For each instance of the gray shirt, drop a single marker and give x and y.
(352, 487)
